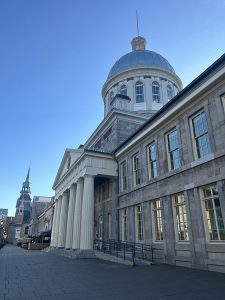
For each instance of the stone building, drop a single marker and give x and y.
(46, 218)
(39, 205)
(23, 210)
(153, 171)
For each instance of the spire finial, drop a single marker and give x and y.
(26, 184)
(28, 175)
(137, 22)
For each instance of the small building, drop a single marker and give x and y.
(39, 205)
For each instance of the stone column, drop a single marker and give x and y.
(70, 220)
(53, 236)
(58, 221)
(63, 220)
(87, 217)
(77, 215)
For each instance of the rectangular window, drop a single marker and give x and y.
(139, 223)
(200, 135)
(151, 157)
(124, 225)
(123, 176)
(173, 150)
(136, 169)
(180, 215)
(157, 220)
(212, 213)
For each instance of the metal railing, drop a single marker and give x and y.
(125, 250)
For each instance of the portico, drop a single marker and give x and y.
(73, 223)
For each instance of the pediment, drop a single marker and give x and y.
(69, 158)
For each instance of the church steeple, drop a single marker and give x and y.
(26, 184)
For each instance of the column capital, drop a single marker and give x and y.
(79, 180)
(66, 193)
(73, 185)
(88, 176)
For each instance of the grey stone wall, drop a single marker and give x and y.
(198, 252)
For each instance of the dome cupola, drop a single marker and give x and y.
(149, 79)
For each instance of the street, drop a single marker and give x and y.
(37, 275)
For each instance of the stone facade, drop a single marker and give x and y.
(203, 248)
(149, 176)
(39, 205)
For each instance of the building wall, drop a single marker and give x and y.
(193, 174)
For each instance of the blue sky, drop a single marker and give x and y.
(54, 58)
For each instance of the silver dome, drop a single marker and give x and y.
(140, 58)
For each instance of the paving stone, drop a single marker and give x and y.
(37, 275)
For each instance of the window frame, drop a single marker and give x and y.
(195, 139)
(156, 95)
(170, 157)
(206, 217)
(124, 224)
(169, 89)
(123, 176)
(152, 163)
(136, 171)
(157, 221)
(139, 96)
(139, 224)
(180, 212)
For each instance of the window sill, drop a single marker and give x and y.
(202, 160)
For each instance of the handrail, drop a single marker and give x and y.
(125, 250)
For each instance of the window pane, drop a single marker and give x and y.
(200, 131)
(157, 219)
(139, 223)
(139, 92)
(155, 92)
(213, 213)
(152, 165)
(136, 170)
(181, 217)
(174, 154)
(169, 92)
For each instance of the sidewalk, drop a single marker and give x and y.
(37, 275)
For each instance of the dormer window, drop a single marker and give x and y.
(139, 91)
(169, 92)
(155, 92)
(68, 162)
(123, 90)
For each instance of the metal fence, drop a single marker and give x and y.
(126, 250)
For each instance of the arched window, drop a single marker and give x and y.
(169, 92)
(139, 91)
(123, 90)
(155, 92)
